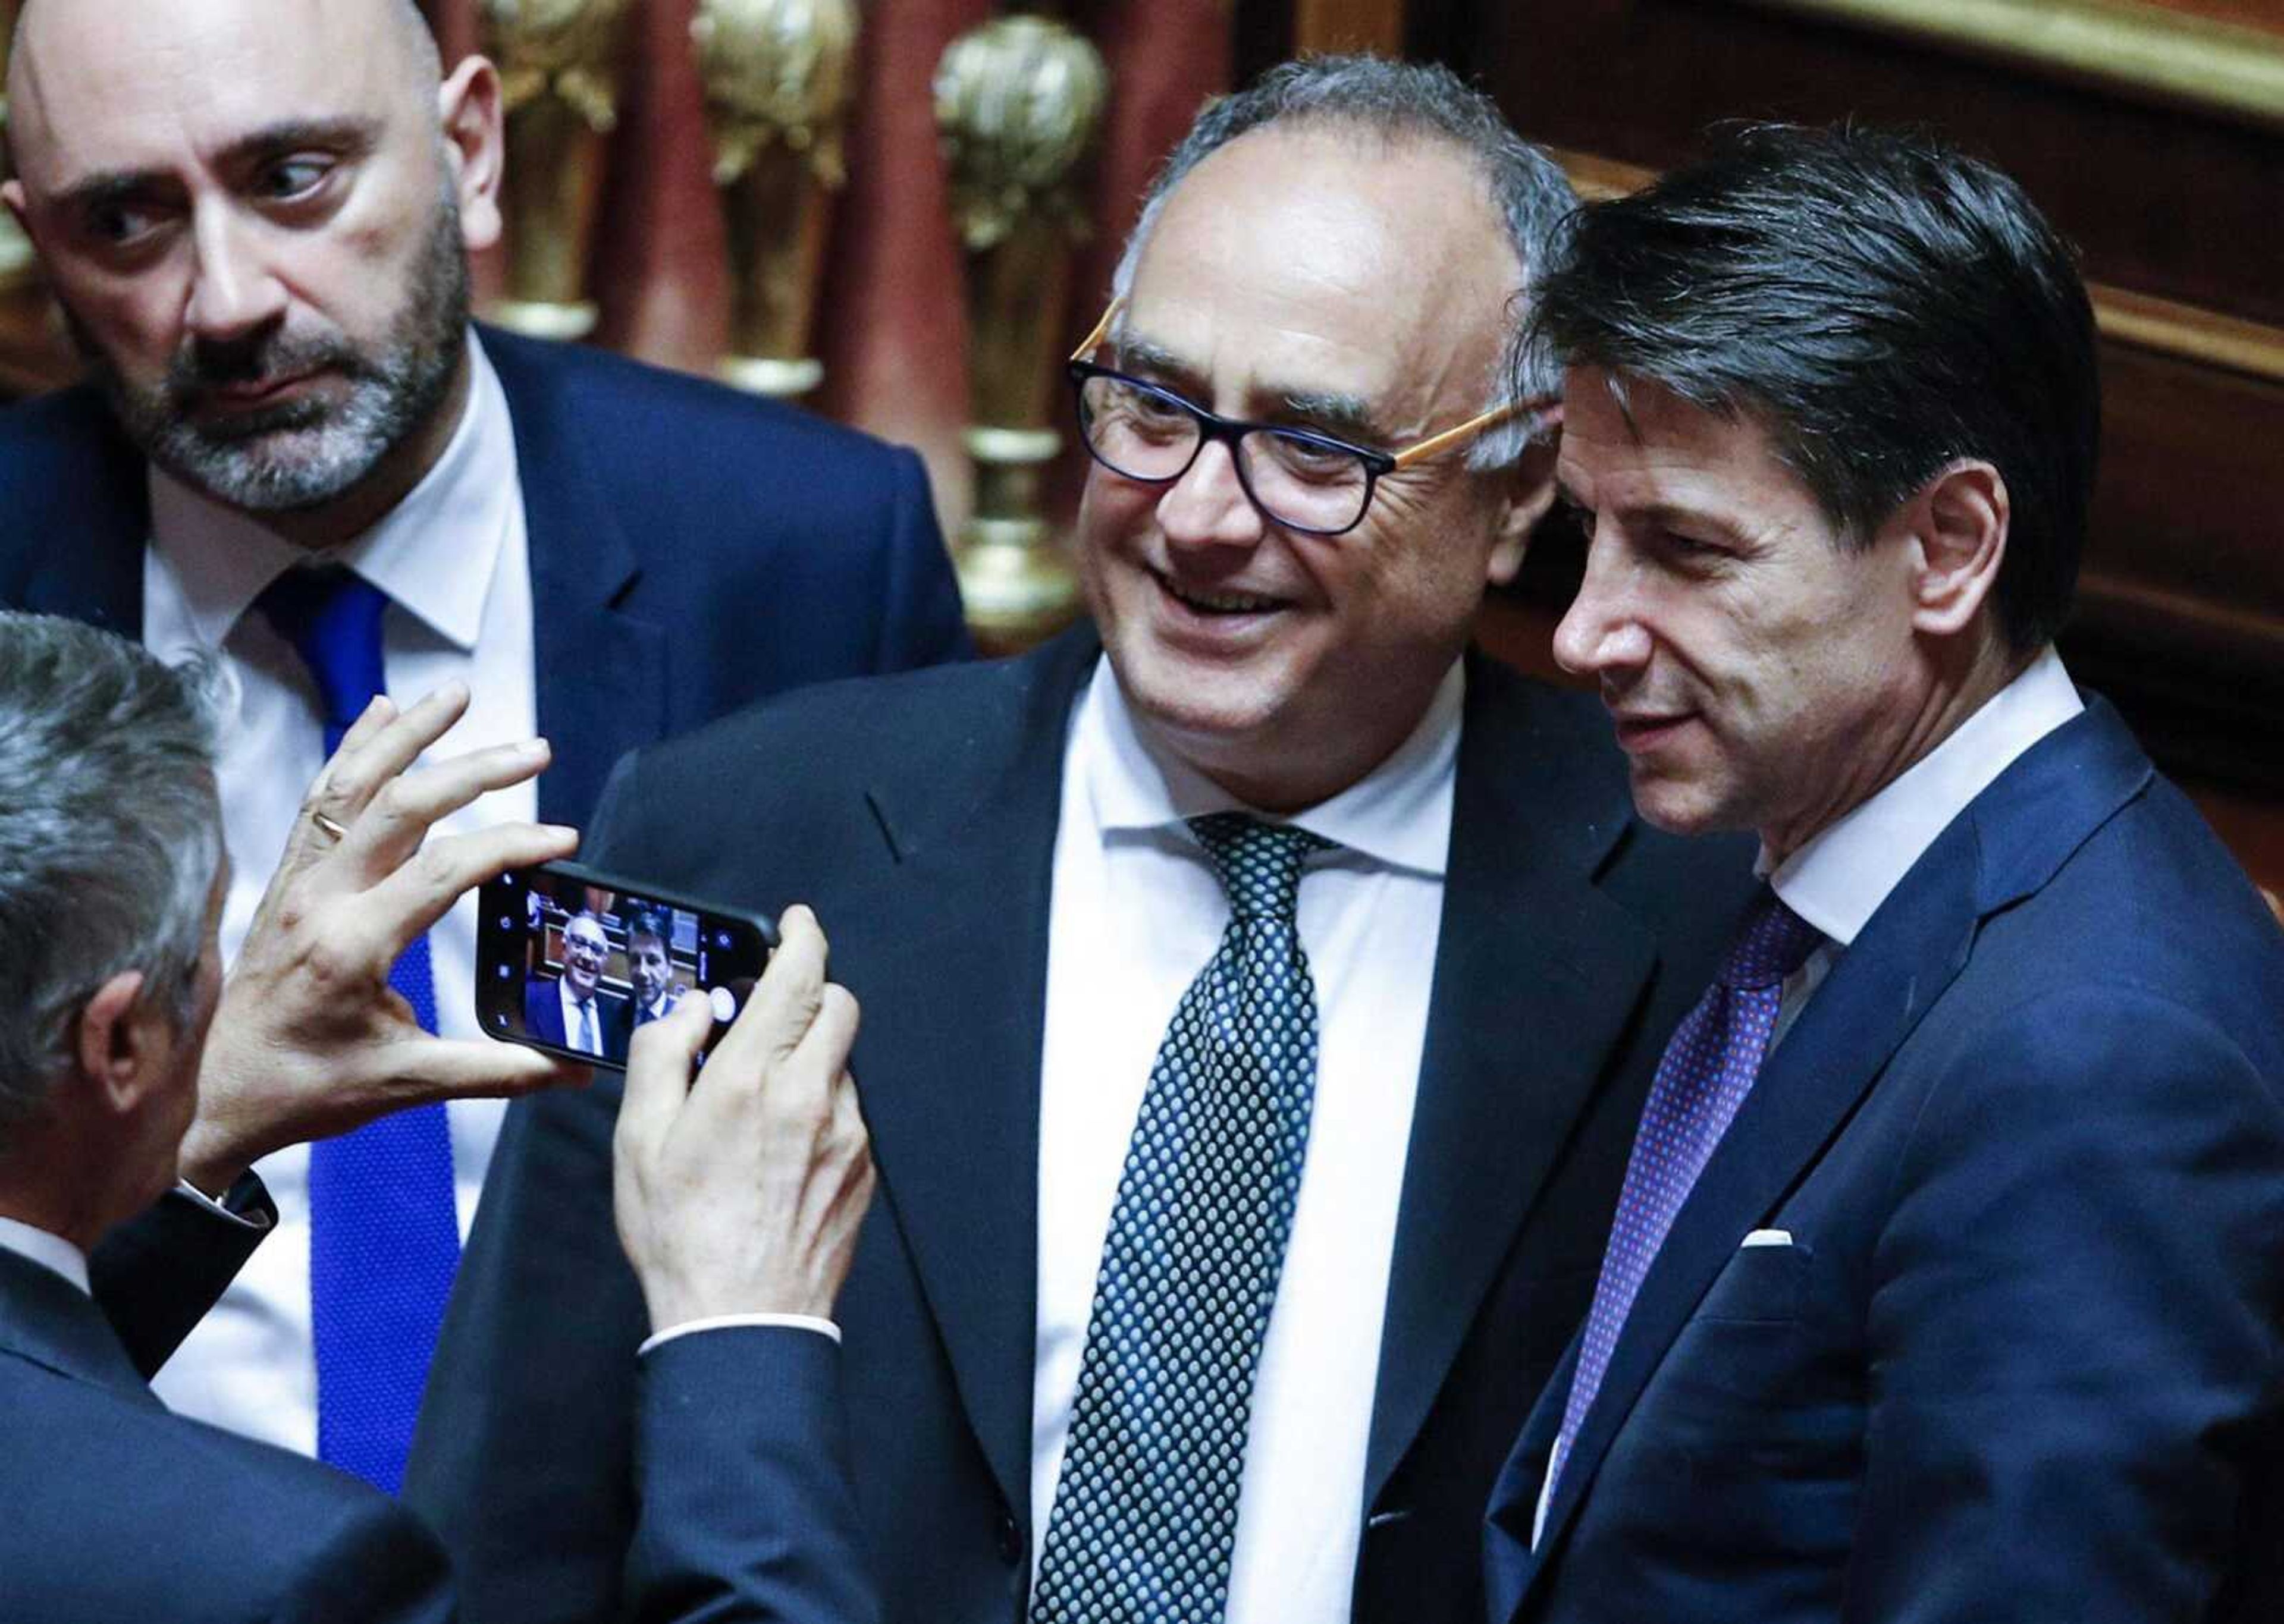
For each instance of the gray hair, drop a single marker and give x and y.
(1396, 101)
(110, 838)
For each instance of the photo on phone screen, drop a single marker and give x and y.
(573, 961)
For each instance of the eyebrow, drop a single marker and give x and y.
(1344, 416)
(354, 135)
(1665, 515)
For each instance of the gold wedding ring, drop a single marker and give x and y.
(330, 830)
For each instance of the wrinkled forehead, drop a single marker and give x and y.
(160, 85)
(1332, 258)
(586, 932)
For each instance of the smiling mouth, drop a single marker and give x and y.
(1219, 605)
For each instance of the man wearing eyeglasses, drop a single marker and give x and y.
(1257, 1000)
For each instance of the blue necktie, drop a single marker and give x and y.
(384, 1234)
(1144, 1515)
(1708, 1068)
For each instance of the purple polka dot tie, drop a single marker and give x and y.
(1703, 1077)
(1144, 1515)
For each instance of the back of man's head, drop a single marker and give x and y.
(1391, 103)
(1882, 305)
(110, 840)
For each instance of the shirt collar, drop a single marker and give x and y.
(1838, 878)
(1398, 815)
(433, 554)
(51, 1252)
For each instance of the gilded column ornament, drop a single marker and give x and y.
(1019, 102)
(779, 77)
(560, 64)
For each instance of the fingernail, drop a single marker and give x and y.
(535, 749)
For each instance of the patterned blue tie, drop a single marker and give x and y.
(384, 1236)
(1146, 1510)
(1706, 1070)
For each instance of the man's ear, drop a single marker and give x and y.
(469, 106)
(124, 1045)
(1959, 528)
(1526, 493)
(12, 193)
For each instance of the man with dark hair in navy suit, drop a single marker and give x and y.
(259, 238)
(1947, 1280)
(112, 1021)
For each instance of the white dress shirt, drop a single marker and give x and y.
(1839, 876)
(590, 1038)
(52, 1252)
(1136, 912)
(452, 558)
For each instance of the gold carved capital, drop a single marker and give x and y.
(777, 73)
(568, 49)
(1018, 102)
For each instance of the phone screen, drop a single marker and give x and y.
(573, 961)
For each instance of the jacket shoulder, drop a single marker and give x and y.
(251, 1531)
(638, 414)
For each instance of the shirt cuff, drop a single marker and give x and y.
(256, 1219)
(725, 1322)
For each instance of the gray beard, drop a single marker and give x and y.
(303, 454)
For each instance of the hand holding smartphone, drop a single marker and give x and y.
(571, 961)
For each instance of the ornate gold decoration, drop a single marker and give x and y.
(558, 62)
(1019, 102)
(2152, 52)
(779, 74)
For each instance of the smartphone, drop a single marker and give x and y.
(570, 960)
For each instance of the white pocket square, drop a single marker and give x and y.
(1768, 1237)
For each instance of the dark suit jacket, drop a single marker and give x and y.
(919, 815)
(118, 1510)
(2025, 1354)
(628, 1017)
(543, 1018)
(692, 550)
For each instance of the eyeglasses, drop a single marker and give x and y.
(1298, 478)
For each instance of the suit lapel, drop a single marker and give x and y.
(948, 1063)
(600, 670)
(1532, 960)
(2005, 845)
(93, 526)
(46, 1319)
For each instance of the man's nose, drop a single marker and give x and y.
(1207, 506)
(235, 292)
(1601, 633)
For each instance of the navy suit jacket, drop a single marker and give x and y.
(118, 1510)
(2024, 1355)
(542, 1017)
(919, 815)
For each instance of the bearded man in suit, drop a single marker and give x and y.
(1947, 1282)
(298, 456)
